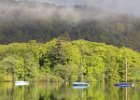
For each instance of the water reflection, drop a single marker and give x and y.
(126, 93)
(59, 91)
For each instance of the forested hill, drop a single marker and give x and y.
(22, 22)
(65, 60)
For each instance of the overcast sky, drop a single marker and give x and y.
(126, 6)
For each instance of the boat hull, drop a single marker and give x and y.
(21, 83)
(124, 84)
(80, 85)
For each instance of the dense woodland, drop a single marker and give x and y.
(23, 23)
(65, 60)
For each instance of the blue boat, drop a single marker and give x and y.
(124, 84)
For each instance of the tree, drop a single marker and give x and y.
(64, 71)
(58, 54)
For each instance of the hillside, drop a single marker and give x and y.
(22, 22)
(60, 59)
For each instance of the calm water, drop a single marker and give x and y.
(58, 91)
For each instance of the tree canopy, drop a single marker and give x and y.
(61, 60)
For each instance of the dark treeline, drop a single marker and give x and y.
(65, 60)
(22, 23)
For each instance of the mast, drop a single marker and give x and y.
(82, 73)
(126, 78)
(81, 70)
(13, 73)
(126, 69)
(81, 63)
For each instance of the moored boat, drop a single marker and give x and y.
(21, 83)
(80, 84)
(124, 84)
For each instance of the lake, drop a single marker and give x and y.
(59, 91)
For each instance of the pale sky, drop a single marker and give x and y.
(126, 6)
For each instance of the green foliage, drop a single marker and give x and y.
(58, 54)
(64, 71)
(62, 60)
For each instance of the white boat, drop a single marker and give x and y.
(21, 83)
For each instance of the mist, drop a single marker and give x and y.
(115, 6)
(94, 20)
(44, 11)
(65, 10)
